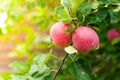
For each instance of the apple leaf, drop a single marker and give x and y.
(20, 77)
(81, 70)
(95, 4)
(97, 17)
(114, 16)
(75, 5)
(62, 14)
(38, 69)
(19, 66)
(83, 10)
(66, 3)
(115, 41)
(110, 1)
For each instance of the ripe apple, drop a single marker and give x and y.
(85, 39)
(112, 34)
(59, 34)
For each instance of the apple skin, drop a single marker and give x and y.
(59, 35)
(112, 34)
(85, 39)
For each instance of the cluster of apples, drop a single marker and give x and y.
(83, 38)
(112, 34)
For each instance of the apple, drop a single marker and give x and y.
(85, 39)
(112, 34)
(59, 34)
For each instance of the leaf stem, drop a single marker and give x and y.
(59, 68)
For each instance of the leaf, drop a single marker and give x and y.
(71, 5)
(95, 4)
(39, 70)
(21, 77)
(5, 76)
(46, 58)
(115, 41)
(62, 13)
(110, 1)
(114, 16)
(19, 65)
(35, 72)
(66, 3)
(83, 10)
(40, 3)
(30, 5)
(80, 70)
(42, 59)
(39, 74)
(97, 17)
(117, 9)
(75, 5)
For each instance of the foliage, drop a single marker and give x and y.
(33, 18)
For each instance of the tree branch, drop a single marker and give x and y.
(58, 70)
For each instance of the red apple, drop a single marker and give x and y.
(112, 34)
(85, 39)
(59, 34)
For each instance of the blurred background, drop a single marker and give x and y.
(24, 29)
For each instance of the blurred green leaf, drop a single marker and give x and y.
(83, 10)
(95, 4)
(114, 17)
(115, 41)
(40, 74)
(75, 5)
(62, 14)
(41, 3)
(39, 70)
(110, 1)
(19, 66)
(21, 77)
(66, 4)
(30, 5)
(96, 17)
(5, 76)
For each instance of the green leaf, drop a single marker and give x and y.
(19, 66)
(39, 74)
(21, 77)
(110, 1)
(39, 70)
(66, 3)
(80, 70)
(96, 17)
(95, 4)
(62, 14)
(5, 76)
(83, 10)
(46, 58)
(30, 5)
(115, 41)
(114, 16)
(42, 59)
(75, 5)
(40, 3)
(71, 5)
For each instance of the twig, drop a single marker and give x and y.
(58, 70)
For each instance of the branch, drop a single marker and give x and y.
(58, 70)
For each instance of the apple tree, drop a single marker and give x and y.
(87, 32)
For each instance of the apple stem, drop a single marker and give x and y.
(59, 68)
